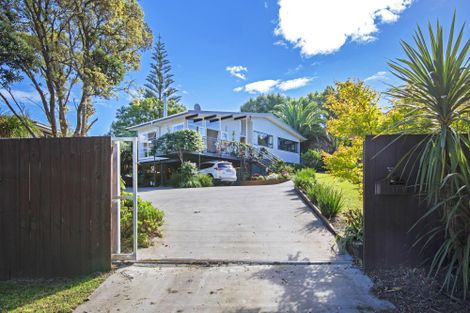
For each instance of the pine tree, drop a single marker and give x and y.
(160, 78)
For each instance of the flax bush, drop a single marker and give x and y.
(436, 89)
(305, 178)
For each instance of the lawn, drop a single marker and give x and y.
(55, 295)
(352, 198)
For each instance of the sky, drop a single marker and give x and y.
(224, 52)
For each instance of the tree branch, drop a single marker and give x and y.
(20, 118)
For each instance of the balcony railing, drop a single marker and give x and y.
(227, 148)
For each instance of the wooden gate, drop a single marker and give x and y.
(55, 200)
(392, 208)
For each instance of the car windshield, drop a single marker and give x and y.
(224, 165)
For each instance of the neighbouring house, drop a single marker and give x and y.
(43, 129)
(262, 131)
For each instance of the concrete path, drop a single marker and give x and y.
(259, 225)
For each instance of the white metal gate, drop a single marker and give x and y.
(116, 253)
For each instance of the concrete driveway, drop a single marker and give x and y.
(255, 223)
(279, 258)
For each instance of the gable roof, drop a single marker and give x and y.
(270, 116)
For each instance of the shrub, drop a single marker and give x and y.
(205, 180)
(329, 200)
(346, 162)
(353, 231)
(188, 177)
(313, 191)
(191, 182)
(150, 219)
(313, 158)
(184, 176)
(305, 178)
(282, 168)
(274, 176)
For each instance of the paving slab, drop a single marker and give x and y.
(240, 288)
(262, 223)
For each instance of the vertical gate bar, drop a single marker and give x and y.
(118, 193)
(134, 187)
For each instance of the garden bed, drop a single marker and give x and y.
(412, 291)
(317, 211)
(262, 182)
(338, 205)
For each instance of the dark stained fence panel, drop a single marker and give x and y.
(55, 200)
(389, 214)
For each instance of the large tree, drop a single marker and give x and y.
(14, 51)
(354, 113)
(141, 111)
(160, 79)
(263, 103)
(82, 49)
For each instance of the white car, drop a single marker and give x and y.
(219, 171)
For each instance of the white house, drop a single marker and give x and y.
(257, 129)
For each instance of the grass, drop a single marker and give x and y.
(54, 295)
(351, 196)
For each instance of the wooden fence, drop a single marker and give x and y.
(55, 199)
(391, 209)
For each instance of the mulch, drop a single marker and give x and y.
(412, 291)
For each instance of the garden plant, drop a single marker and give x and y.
(436, 89)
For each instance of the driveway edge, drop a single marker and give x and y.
(316, 211)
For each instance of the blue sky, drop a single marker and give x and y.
(294, 47)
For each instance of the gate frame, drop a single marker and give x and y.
(118, 256)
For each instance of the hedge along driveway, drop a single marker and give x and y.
(239, 223)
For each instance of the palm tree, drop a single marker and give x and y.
(437, 89)
(307, 117)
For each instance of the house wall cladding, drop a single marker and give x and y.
(391, 211)
(55, 199)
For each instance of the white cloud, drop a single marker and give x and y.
(262, 86)
(22, 95)
(294, 83)
(265, 86)
(280, 43)
(324, 26)
(237, 71)
(296, 69)
(382, 75)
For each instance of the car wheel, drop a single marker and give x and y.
(212, 177)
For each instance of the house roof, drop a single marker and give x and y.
(222, 114)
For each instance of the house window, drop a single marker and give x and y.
(178, 126)
(224, 136)
(148, 143)
(264, 140)
(151, 136)
(287, 145)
